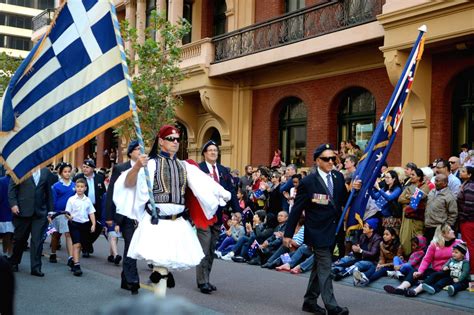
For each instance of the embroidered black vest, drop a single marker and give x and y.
(170, 181)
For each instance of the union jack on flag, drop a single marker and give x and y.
(382, 140)
(73, 85)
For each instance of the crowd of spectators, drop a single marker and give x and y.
(418, 225)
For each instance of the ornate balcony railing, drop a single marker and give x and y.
(325, 18)
(43, 19)
(200, 52)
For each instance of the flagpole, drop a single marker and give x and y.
(133, 107)
(370, 151)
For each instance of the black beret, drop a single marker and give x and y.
(131, 146)
(90, 163)
(321, 149)
(208, 143)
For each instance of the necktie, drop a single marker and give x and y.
(214, 174)
(330, 185)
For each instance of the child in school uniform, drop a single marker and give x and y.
(62, 191)
(80, 213)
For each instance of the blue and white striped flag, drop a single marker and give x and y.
(73, 85)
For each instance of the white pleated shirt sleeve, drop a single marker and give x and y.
(208, 192)
(130, 201)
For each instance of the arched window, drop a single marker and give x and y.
(463, 110)
(293, 131)
(357, 116)
(182, 153)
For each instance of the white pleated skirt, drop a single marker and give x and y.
(172, 244)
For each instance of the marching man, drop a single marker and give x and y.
(170, 243)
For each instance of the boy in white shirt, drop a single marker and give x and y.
(80, 213)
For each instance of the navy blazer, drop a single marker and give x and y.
(320, 220)
(225, 179)
(110, 209)
(30, 198)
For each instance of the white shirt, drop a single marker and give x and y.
(91, 188)
(211, 171)
(324, 175)
(80, 208)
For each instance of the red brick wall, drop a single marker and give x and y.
(322, 98)
(309, 3)
(444, 71)
(268, 9)
(207, 13)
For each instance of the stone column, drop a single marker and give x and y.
(141, 20)
(175, 10)
(131, 17)
(416, 119)
(241, 125)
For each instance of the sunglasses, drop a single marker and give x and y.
(329, 158)
(172, 139)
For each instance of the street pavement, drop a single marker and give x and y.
(242, 289)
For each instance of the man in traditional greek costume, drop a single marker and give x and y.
(168, 241)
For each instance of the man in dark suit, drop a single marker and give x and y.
(30, 202)
(322, 195)
(130, 279)
(208, 237)
(95, 191)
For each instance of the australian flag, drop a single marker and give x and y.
(416, 198)
(73, 85)
(384, 135)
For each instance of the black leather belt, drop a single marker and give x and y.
(167, 217)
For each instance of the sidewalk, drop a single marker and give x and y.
(463, 301)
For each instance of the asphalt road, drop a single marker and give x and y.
(242, 289)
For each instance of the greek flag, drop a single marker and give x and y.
(73, 85)
(381, 141)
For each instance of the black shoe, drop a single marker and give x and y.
(117, 259)
(77, 271)
(53, 259)
(134, 288)
(313, 308)
(110, 258)
(205, 288)
(338, 276)
(254, 261)
(70, 263)
(238, 259)
(213, 287)
(86, 255)
(339, 311)
(124, 285)
(37, 273)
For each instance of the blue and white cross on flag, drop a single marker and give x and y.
(73, 85)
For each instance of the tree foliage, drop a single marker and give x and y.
(155, 72)
(8, 66)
